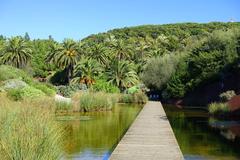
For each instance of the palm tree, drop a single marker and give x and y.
(122, 74)
(54, 50)
(120, 50)
(157, 45)
(16, 53)
(64, 56)
(99, 53)
(86, 71)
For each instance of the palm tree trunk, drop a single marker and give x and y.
(69, 73)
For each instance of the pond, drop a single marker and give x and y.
(93, 136)
(201, 137)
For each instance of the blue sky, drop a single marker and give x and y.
(79, 18)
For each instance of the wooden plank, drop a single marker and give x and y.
(150, 137)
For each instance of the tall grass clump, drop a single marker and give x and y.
(218, 108)
(28, 132)
(138, 97)
(62, 106)
(96, 102)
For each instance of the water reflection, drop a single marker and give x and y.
(201, 137)
(93, 135)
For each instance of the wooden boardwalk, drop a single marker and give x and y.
(150, 137)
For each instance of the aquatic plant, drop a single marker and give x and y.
(138, 97)
(218, 108)
(90, 101)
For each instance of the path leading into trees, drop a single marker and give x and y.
(150, 137)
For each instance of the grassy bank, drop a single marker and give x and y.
(28, 130)
(98, 101)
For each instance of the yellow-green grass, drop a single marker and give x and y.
(28, 130)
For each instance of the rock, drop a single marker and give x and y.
(61, 99)
(14, 84)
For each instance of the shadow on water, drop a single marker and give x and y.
(201, 137)
(92, 136)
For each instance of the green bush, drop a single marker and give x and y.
(104, 86)
(125, 98)
(26, 92)
(96, 102)
(226, 96)
(44, 88)
(32, 92)
(140, 97)
(9, 72)
(218, 108)
(68, 91)
(15, 94)
(29, 132)
(159, 70)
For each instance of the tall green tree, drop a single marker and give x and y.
(27, 37)
(16, 52)
(121, 50)
(65, 56)
(99, 53)
(86, 71)
(122, 74)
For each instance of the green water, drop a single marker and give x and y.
(92, 136)
(203, 138)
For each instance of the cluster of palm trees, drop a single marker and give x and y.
(16, 52)
(120, 61)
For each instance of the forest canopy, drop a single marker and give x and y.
(171, 58)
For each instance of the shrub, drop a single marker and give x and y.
(104, 86)
(29, 132)
(140, 97)
(96, 102)
(44, 88)
(159, 70)
(218, 108)
(15, 94)
(26, 92)
(125, 98)
(68, 91)
(9, 72)
(32, 92)
(226, 96)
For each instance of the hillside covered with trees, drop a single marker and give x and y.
(172, 59)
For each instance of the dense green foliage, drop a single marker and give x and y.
(173, 58)
(19, 85)
(16, 52)
(103, 85)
